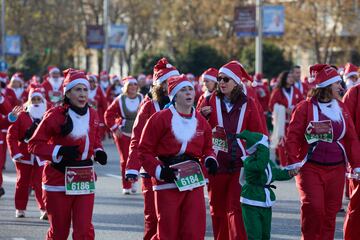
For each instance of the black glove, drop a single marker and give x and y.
(69, 152)
(30, 131)
(211, 166)
(67, 127)
(100, 157)
(168, 174)
(130, 176)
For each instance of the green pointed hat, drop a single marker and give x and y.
(253, 139)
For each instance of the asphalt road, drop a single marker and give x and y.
(121, 217)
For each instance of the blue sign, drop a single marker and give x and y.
(3, 66)
(13, 45)
(95, 36)
(273, 20)
(117, 36)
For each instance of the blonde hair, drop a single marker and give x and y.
(125, 88)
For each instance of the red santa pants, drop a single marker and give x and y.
(62, 209)
(181, 215)
(3, 147)
(28, 176)
(352, 218)
(122, 145)
(225, 209)
(321, 190)
(150, 220)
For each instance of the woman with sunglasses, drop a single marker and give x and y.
(320, 140)
(232, 112)
(283, 99)
(119, 118)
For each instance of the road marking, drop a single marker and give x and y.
(18, 238)
(9, 179)
(113, 175)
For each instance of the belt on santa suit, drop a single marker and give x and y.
(71, 163)
(177, 159)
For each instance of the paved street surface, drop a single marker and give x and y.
(120, 217)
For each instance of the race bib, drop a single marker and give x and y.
(319, 131)
(189, 175)
(219, 139)
(79, 180)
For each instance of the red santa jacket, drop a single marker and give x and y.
(303, 88)
(280, 96)
(159, 139)
(15, 139)
(352, 101)
(296, 146)
(47, 140)
(203, 100)
(263, 95)
(147, 108)
(52, 95)
(10, 96)
(98, 101)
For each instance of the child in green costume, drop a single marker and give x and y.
(257, 197)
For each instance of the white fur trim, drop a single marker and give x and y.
(16, 156)
(131, 80)
(289, 97)
(296, 165)
(351, 74)
(55, 153)
(36, 94)
(256, 203)
(50, 188)
(264, 141)
(178, 87)
(166, 76)
(132, 171)
(86, 149)
(55, 69)
(164, 186)
(209, 77)
(329, 82)
(230, 73)
(81, 124)
(158, 172)
(115, 126)
(183, 129)
(73, 83)
(156, 106)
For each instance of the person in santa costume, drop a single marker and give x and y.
(352, 218)
(97, 101)
(232, 111)
(178, 137)
(283, 99)
(104, 81)
(17, 85)
(143, 86)
(53, 86)
(321, 138)
(209, 78)
(257, 196)
(119, 118)
(351, 75)
(28, 167)
(114, 90)
(68, 138)
(153, 102)
(303, 87)
(263, 95)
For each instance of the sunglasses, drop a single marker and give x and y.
(225, 79)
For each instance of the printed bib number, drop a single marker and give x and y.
(219, 139)
(319, 131)
(189, 175)
(79, 180)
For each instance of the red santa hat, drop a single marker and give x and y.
(53, 69)
(176, 83)
(36, 92)
(350, 70)
(74, 77)
(210, 74)
(129, 79)
(17, 77)
(141, 77)
(114, 78)
(163, 70)
(104, 73)
(3, 77)
(236, 71)
(257, 78)
(190, 76)
(92, 76)
(323, 75)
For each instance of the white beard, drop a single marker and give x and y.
(104, 84)
(333, 112)
(118, 90)
(92, 94)
(18, 92)
(80, 124)
(55, 83)
(183, 129)
(36, 111)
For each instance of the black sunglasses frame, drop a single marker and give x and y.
(225, 79)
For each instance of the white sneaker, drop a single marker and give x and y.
(43, 215)
(126, 191)
(134, 187)
(19, 213)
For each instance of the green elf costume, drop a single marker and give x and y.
(257, 197)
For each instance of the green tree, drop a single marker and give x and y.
(28, 64)
(273, 60)
(195, 58)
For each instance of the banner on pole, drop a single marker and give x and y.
(245, 21)
(95, 36)
(117, 36)
(13, 45)
(273, 20)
